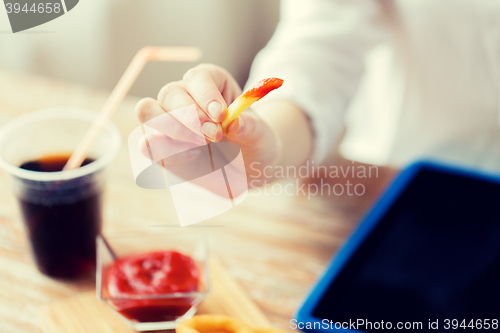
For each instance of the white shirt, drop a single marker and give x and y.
(408, 79)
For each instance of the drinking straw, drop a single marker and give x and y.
(149, 53)
(112, 252)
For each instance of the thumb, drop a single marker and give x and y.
(248, 129)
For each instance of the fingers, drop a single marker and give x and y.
(204, 91)
(208, 88)
(174, 96)
(161, 147)
(236, 128)
(212, 88)
(156, 119)
(148, 108)
(212, 131)
(172, 99)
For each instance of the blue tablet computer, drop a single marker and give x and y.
(426, 258)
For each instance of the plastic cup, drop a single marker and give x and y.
(62, 211)
(152, 311)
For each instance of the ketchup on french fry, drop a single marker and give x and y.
(262, 88)
(250, 96)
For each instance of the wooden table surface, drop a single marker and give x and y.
(274, 246)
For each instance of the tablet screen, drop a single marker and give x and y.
(434, 255)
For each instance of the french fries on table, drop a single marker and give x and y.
(212, 323)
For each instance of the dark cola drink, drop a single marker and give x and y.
(62, 218)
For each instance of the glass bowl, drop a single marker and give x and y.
(153, 311)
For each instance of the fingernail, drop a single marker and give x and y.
(214, 109)
(241, 125)
(209, 129)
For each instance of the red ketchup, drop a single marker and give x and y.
(263, 87)
(150, 274)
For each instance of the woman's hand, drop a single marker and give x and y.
(211, 88)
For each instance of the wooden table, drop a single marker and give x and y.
(274, 246)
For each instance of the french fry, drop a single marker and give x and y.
(252, 95)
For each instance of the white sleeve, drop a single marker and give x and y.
(318, 49)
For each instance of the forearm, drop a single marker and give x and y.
(319, 53)
(292, 128)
